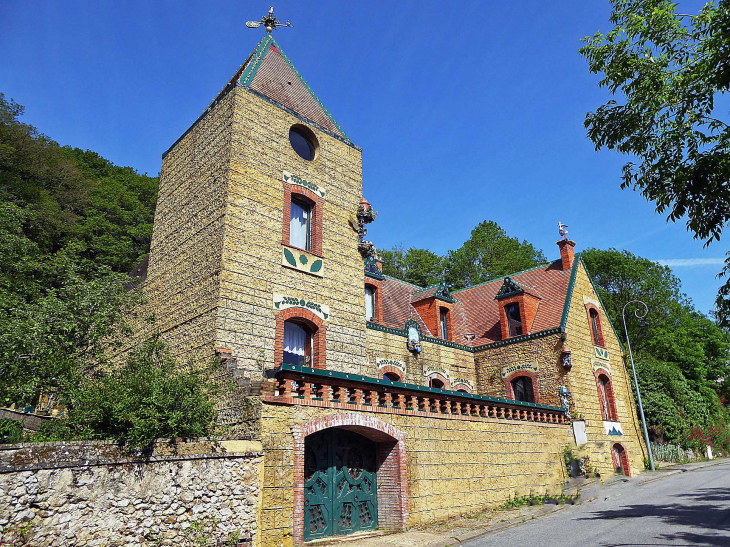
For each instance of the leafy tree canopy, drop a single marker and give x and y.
(418, 266)
(488, 254)
(669, 70)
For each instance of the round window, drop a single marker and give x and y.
(303, 142)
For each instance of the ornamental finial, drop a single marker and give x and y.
(269, 21)
(563, 230)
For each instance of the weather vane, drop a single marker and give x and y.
(563, 229)
(269, 21)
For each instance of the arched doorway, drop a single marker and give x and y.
(390, 501)
(620, 460)
(340, 487)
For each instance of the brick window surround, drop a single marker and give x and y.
(317, 204)
(377, 285)
(458, 386)
(430, 311)
(390, 467)
(623, 457)
(601, 341)
(437, 376)
(602, 372)
(315, 325)
(390, 369)
(531, 375)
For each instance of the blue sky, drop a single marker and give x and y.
(465, 111)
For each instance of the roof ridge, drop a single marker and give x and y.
(260, 52)
(501, 278)
(406, 282)
(424, 289)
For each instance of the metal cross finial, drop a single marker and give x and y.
(269, 21)
(563, 230)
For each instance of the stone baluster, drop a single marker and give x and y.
(371, 397)
(358, 396)
(413, 402)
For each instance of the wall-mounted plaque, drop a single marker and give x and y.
(302, 261)
(511, 369)
(283, 302)
(380, 363)
(291, 178)
(601, 353)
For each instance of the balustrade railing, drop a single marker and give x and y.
(315, 387)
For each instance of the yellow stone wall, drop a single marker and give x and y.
(252, 271)
(183, 279)
(454, 467)
(384, 345)
(582, 384)
(543, 352)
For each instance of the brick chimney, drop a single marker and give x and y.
(567, 253)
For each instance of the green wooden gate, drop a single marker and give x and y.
(340, 490)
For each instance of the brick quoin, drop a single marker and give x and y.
(508, 384)
(318, 327)
(390, 462)
(317, 204)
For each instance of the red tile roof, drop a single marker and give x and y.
(475, 311)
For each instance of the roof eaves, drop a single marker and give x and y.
(569, 293)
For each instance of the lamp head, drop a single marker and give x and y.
(643, 324)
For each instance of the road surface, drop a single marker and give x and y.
(687, 509)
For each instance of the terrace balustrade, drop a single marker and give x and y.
(314, 387)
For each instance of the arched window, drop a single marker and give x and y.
(523, 390)
(620, 460)
(392, 376)
(605, 395)
(298, 344)
(595, 327)
(435, 382)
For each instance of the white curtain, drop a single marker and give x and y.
(298, 226)
(295, 342)
(369, 303)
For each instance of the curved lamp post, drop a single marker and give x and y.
(642, 323)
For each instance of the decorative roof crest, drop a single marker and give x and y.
(508, 288)
(269, 21)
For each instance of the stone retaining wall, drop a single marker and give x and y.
(95, 494)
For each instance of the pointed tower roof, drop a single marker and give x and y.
(269, 72)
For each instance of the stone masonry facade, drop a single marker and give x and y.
(94, 494)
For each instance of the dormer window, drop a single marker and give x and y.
(369, 302)
(300, 224)
(444, 324)
(514, 321)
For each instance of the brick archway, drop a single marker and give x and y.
(438, 376)
(531, 375)
(619, 452)
(391, 466)
(315, 324)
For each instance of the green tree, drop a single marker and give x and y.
(147, 398)
(488, 254)
(418, 266)
(669, 69)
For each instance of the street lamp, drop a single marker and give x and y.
(642, 323)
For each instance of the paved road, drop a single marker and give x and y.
(688, 509)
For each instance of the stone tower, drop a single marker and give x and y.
(228, 265)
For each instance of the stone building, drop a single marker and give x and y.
(382, 404)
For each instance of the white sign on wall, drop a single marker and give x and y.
(291, 178)
(283, 302)
(579, 432)
(380, 363)
(511, 369)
